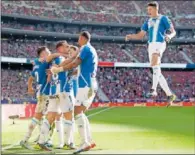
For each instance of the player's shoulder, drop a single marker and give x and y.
(85, 47)
(147, 20)
(164, 17)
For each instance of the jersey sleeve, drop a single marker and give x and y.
(167, 22)
(145, 26)
(83, 53)
(33, 73)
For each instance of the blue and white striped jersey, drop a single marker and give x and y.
(156, 28)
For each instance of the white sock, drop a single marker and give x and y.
(72, 132)
(81, 123)
(51, 132)
(164, 85)
(60, 131)
(89, 137)
(31, 128)
(44, 131)
(67, 130)
(156, 75)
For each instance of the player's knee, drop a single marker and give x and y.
(51, 117)
(68, 115)
(58, 117)
(38, 116)
(80, 120)
(78, 110)
(155, 59)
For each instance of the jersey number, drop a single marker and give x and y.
(55, 76)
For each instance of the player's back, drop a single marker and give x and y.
(39, 73)
(89, 64)
(39, 70)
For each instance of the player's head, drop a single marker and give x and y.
(84, 38)
(62, 47)
(73, 50)
(152, 9)
(43, 52)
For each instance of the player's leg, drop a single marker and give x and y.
(84, 99)
(34, 121)
(163, 83)
(44, 112)
(67, 106)
(156, 73)
(154, 51)
(59, 129)
(53, 109)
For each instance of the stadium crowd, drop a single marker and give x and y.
(70, 29)
(100, 11)
(111, 52)
(125, 84)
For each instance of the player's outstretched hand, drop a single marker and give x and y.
(127, 37)
(167, 39)
(56, 70)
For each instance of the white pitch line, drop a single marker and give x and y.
(100, 111)
(10, 146)
(18, 143)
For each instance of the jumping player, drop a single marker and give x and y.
(156, 26)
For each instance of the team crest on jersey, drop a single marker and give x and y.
(151, 23)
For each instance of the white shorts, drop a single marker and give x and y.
(86, 95)
(62, 103)
(42, 104)
(156, 47)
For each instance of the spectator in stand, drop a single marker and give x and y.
(99, 11)
(125, 84)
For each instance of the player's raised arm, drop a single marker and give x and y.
(73, 64)
(55, 55)
(74, 54)
(84, 39)
(169, 27)
(140, 35)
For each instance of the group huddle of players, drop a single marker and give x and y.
(65, 88)
(58, 76)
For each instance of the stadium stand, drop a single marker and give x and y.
(130, 82)
(125, 85)
(98, 11)
(106, 51)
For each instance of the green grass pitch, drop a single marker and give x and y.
(124, 130)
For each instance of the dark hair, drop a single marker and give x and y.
(153, 4)
(40, 50)
(86, 34)
(74, 47)
(61, 43)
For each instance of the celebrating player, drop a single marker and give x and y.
(157, 26)
(38, 73)
(43, 87)
(88, 61)
(61, 100)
